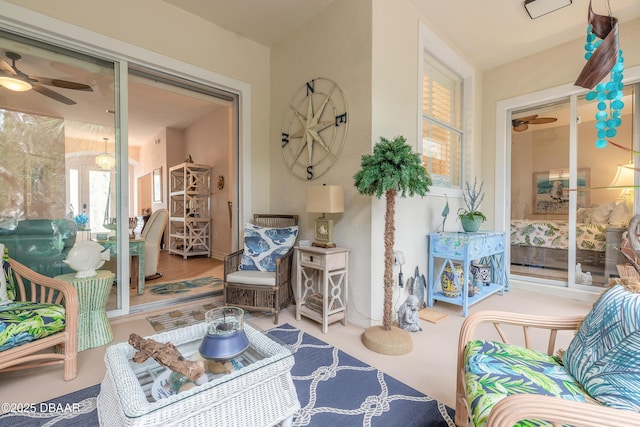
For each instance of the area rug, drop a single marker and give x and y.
(334, 389)
(185, 286)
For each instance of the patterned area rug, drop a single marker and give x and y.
(186, 286)
(334, 389)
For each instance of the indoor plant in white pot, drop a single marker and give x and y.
(471, 218)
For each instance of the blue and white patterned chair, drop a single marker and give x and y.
(258, 277)
(596, 382)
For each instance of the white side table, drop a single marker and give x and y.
(322, 285)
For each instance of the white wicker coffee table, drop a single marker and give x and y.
(259, 393)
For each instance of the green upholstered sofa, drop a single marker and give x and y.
(41, 244)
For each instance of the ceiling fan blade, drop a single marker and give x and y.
(521, 127)
(8, 68)
(542, 120)
(65, 84)
(526, 118)
(51, 94)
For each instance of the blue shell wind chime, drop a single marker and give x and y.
(603, 56)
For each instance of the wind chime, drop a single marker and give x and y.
(604, 56)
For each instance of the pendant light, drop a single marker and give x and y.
(105, 160)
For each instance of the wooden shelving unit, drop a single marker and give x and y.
(190, 210)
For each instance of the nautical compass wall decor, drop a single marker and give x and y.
(314, 129)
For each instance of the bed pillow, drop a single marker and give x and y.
(620, 215)
(601, 213)
(263, 245)
(584, 215)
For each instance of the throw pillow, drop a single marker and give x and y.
(601, 213)
(604, 355)
(263, 245)
(620, 215)
(584, 215)
(4, 297)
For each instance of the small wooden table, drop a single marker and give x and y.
(94, 329)
(323, 281)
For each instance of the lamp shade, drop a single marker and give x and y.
(325, 199)
(624, 178)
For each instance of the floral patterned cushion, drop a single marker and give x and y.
(604, 356)
(495, 370)
(23, 322)
(263, 245)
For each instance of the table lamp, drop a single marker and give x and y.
(624, 181)
(324, 199)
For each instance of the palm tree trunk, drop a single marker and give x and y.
(389, 237)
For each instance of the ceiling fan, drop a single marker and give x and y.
(12, 75)
(521, 124)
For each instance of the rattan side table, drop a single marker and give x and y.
(94, 329)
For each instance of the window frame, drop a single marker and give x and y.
(433, 45)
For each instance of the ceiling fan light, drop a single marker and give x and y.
(15, 84)
(537, 8)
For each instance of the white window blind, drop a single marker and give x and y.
(442, 99)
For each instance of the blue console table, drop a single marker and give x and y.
(486, 246)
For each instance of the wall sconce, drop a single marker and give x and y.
(324, 199)
(537, 8)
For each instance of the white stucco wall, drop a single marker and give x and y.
(336, 45)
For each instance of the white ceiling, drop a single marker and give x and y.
(488, 32)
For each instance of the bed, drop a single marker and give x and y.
(544, 243)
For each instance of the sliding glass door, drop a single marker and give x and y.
(570, 200)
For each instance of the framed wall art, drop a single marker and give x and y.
(551, 191)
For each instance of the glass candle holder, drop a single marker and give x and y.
(225, 337)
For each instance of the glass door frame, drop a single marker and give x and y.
(502, 207)
(32, 25)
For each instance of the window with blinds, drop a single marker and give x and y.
(442, 134)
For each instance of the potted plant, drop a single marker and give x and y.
(471, 218)
(393, 169)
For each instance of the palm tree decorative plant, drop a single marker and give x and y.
(471, 218)
(392, 169)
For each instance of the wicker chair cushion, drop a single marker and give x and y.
(494, 370)
(252, 277)
(23, 322)
(263, 245)
(6, 294)
(604, 356)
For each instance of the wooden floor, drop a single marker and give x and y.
(174, 269)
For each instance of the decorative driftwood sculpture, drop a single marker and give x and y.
(166, 354)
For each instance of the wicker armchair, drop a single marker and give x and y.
(260, 291)
(34, 287)
(514, 408)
